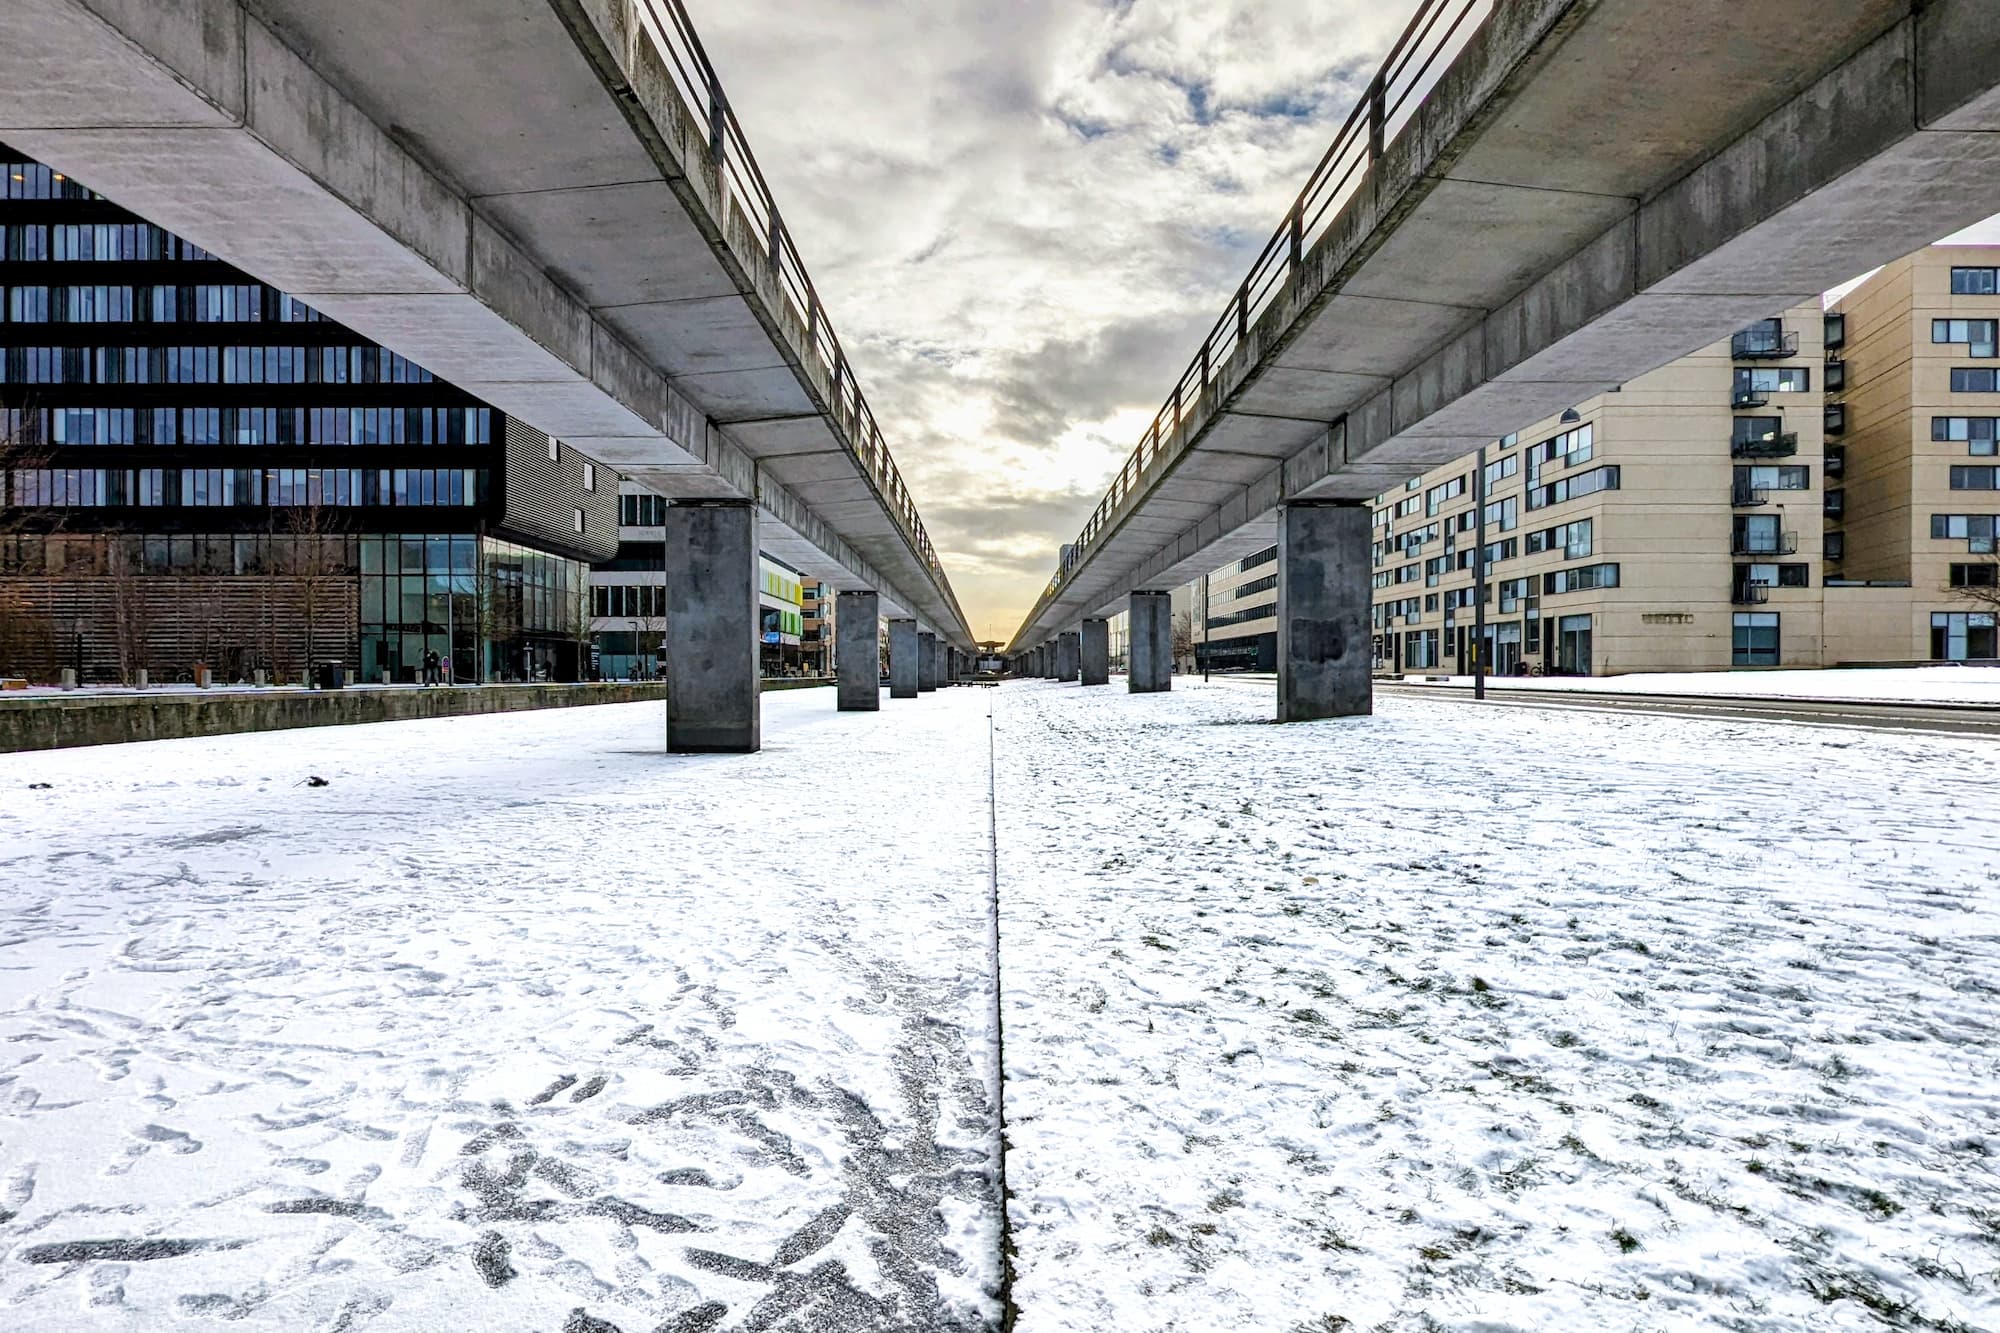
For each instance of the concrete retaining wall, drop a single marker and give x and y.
(52, 723)
(56, 722)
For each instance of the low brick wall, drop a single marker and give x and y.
(53, 722)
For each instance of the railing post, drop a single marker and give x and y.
(1204, 365)
(1298, 229)
(1377, 116)
(1243, 312)
(718, 123)
(778, 248)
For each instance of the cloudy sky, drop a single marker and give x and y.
(1023, 214)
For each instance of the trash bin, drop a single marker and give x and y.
(332, 676)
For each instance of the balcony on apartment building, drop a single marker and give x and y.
(1836, 418)
(1762, 437)
(1759, 541)
(1836, 504)
(1746, 591)
(1742, 495)
(1835, 460)
(1834, 377)
(1766, 340)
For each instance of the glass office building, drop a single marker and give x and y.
(199, 468)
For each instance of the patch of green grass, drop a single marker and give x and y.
(1159, 1236)
(1566, 1039)
(1624, 1240)
(1155, 942)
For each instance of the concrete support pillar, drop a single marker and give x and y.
(1151, 651)
(1049, 664)
(1324, 593)
(713, 694)
(857, 651)
(1094, 652)
(927, 662)
(1066, 655)
(903, 653)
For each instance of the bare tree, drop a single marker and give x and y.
(314, 568)
(130, 619)
(1184, 638)
(27, 624)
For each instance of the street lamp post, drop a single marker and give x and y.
(1479, 576)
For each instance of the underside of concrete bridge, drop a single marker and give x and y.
(1591, 189)
(520, 195)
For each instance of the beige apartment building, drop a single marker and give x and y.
(1671, 525)
(1911, 521)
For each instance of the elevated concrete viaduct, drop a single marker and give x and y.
(547, 202)
(1535, 201)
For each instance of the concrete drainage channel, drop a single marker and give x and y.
(1009, 1312)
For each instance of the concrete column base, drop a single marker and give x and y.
(1325, 653)
(1151, 650)
(1094, 652)
(903, 653)
(927, 662)
(713, 697)
(857, 651)
(1066, 655)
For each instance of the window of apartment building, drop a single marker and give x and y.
(1978, 433)
(1502, 550)
(578, 518)
(1974, 478)
(1513, 592)
(628, 600)
(1409, 573)
(642, 511)
(1973, 379)
(1773, 379)
(1382, 578)
(590, 476)
(1430, 602)
(1574, 539)
(555, 450)
(1420, 648)
(1963, 636)
(1579, 579)
(1500, 469)
(1267, 556)
(1972, 282)
(1776, 576)
(1567, 449)
(1458, 599)
(1573, 488)
(1434, 569)
(1774, 478)
(1405, 508)
(1255, 586)
(1761, 534)
(1977, 334)
(1754, 638)
(24, 243)
(1504, 515)
(1976, 530)
(1435, 497)
(1975, 576)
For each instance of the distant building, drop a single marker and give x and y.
(628, 602)
(200, 469)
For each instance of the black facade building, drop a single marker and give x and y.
(200, 469)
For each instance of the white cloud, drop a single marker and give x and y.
(1024, 215)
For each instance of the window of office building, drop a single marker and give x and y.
(642, 511)
(1754, 638)
(1972, 379)
(1975, 576)
(1977, 334)
(1974, 478)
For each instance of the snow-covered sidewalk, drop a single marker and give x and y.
(1465, 1018)
(514, 1024)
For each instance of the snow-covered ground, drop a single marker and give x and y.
(1476, 1019)
(514, 1018)
(1942, 684)
(1448, 1018)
